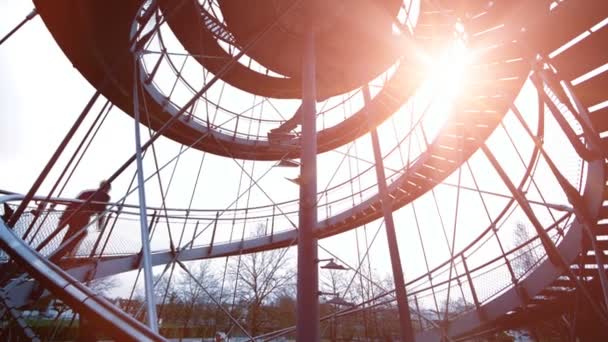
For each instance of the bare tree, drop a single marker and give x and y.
(103, 286)
(527, 256)
(162, 287)
(196, 291)
(184, 299)
(199, 286)
(260, 278)
(337, 282)
(375, 319)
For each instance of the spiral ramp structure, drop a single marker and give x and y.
(553, 49)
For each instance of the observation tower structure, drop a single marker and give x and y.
(468, 136)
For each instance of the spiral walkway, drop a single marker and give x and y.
(515, 49)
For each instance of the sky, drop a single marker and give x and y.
(41, 95)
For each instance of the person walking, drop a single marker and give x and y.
(76, 218)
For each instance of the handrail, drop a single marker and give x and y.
(72, 292)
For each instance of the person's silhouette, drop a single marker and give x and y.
(76, 219)
(8, 212)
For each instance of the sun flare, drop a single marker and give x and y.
(448, 71)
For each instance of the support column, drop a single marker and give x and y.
(145, 236)
(307, 323)
(405, 320)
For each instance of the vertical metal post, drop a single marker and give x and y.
(217, 217)
(307, 323)
(272, 225)
(471, 285)
(145, 242)
(194, 233)
(405, 320)
(420, 320)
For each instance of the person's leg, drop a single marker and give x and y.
(63, 222)
(77, 232)
(77, 236)
(75, 245)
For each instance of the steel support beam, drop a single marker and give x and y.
(29, 17)
(578, 204)
(49, 165)
(552, 252)
(143, 219)
(307, 322)
(519, 197)
(72, 292)
(405, 320)
(578, 145)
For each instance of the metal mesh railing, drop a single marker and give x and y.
(47, 223)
